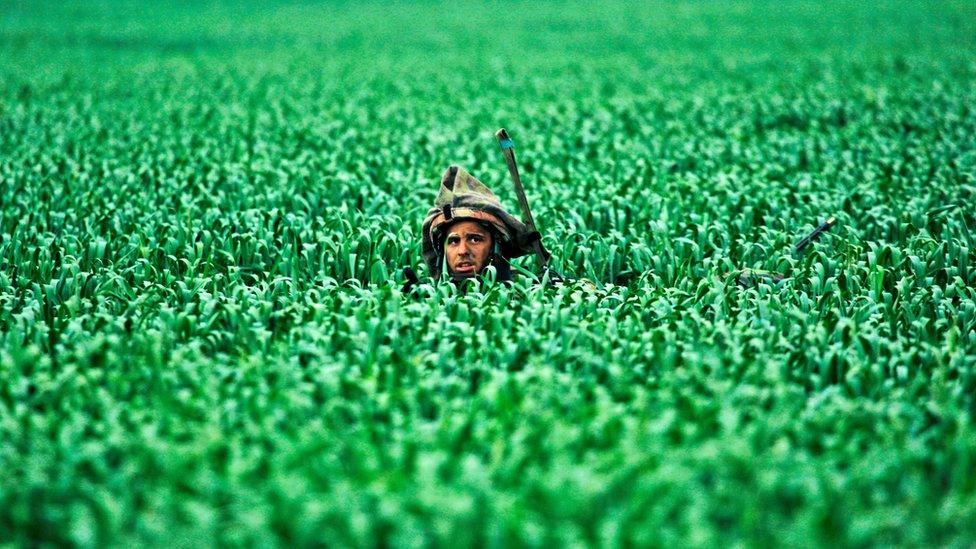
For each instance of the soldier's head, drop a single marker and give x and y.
(468, 230)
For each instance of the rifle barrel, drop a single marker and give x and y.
(508, 151)
(808, 239)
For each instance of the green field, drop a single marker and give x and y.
(206, 208)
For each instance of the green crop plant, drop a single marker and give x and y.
(205, 211)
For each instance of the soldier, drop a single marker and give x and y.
(468, 230)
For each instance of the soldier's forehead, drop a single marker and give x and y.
(466, 227)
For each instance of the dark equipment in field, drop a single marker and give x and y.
(750, 277)
(808, 239)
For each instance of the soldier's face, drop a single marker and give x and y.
(467, 248)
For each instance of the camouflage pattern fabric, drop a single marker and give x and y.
(463, 197)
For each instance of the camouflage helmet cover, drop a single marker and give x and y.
(463, 197)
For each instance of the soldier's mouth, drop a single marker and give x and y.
(464, 267)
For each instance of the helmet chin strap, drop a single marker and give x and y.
(503, 271)
(496, 254)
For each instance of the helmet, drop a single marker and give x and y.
(462, 197)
